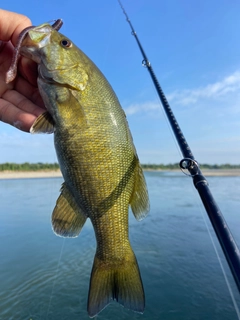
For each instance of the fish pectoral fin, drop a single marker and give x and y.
(120, 281)
(139, 201)
(43, 124)
(67, 217)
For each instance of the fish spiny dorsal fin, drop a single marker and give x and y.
(43, 124)
(67, 217)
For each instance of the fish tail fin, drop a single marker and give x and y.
(120, 281)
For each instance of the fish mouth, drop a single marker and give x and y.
(31, 39)
(36, 38)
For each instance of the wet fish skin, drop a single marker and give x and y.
(98, 160)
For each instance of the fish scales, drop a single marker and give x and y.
(98, 160)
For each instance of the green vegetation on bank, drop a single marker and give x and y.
(54, 166)
(8, 166)
(172, 166)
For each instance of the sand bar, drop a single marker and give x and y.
(57, 173)
(30, 174)
(221, 172)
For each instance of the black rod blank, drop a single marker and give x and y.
(219, 224)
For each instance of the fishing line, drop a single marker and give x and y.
(210, 235)
(222, 267)
(217, 254)
(168, 125)
(208, 229)
(55, 278)
(52, 200)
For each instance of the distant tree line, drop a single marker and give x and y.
(26, 166)
(171, 166)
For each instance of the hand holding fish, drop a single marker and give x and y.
(20, 101)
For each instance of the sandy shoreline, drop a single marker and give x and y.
(29, 174)
(57, 173)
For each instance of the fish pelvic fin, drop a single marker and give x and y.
(139, 200)
(67, 217)
(43, 124)
(120, 281)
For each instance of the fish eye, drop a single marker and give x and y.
(66, 43)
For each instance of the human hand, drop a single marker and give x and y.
(20, 101)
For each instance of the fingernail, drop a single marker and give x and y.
(18, 124)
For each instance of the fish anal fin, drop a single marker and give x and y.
(121, 282)
(139, 201)
(43, 124)
(67, 218)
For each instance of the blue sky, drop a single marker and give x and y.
(194, 49)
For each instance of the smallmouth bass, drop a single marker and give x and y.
(101, 171)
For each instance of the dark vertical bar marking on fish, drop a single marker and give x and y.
(109, 201)
(219, 224)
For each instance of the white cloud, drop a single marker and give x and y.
(217, 90)
(142, 107)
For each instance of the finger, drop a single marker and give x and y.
(5, 60)
(29, 91)
(11, 25)
(29, 70)
(21, 102)
(16, 117)
(18, 111)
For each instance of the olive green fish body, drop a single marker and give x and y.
(98, 160)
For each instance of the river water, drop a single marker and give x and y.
(45, 277)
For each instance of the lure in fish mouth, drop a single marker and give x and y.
(12, 71)
(99, 163)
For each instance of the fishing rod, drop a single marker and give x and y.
(188, 162)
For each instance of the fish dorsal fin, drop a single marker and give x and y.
(43, 124)
(67, 218)
(139, 201)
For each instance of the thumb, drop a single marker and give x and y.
(11, 24)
